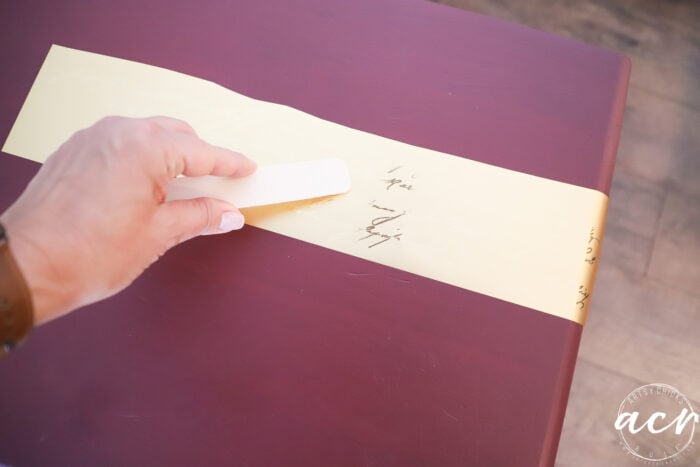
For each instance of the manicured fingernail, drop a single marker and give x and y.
(231, 221)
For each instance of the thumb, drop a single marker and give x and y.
(200, 216)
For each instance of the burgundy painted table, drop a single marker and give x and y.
(256, 349)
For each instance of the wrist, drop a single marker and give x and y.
(45, 287)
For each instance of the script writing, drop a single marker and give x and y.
(399, 181)
(591, 256)
(593, 244)
(583, 296)
(385, 223)
(379, 230)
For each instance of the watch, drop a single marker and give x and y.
(16, 310)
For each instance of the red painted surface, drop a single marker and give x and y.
(256, 349)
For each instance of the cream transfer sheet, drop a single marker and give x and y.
(513, 236)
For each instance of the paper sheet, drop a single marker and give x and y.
(513, 236)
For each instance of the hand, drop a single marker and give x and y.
(95, 216)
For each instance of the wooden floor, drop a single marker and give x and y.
(644, 323)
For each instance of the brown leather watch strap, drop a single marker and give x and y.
(16, 310)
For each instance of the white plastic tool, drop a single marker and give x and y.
(271, 184)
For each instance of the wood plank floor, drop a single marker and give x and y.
(644, 322)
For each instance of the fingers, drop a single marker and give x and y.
(184, 152)
(194, 157)
(185, 219)
(172, 124)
